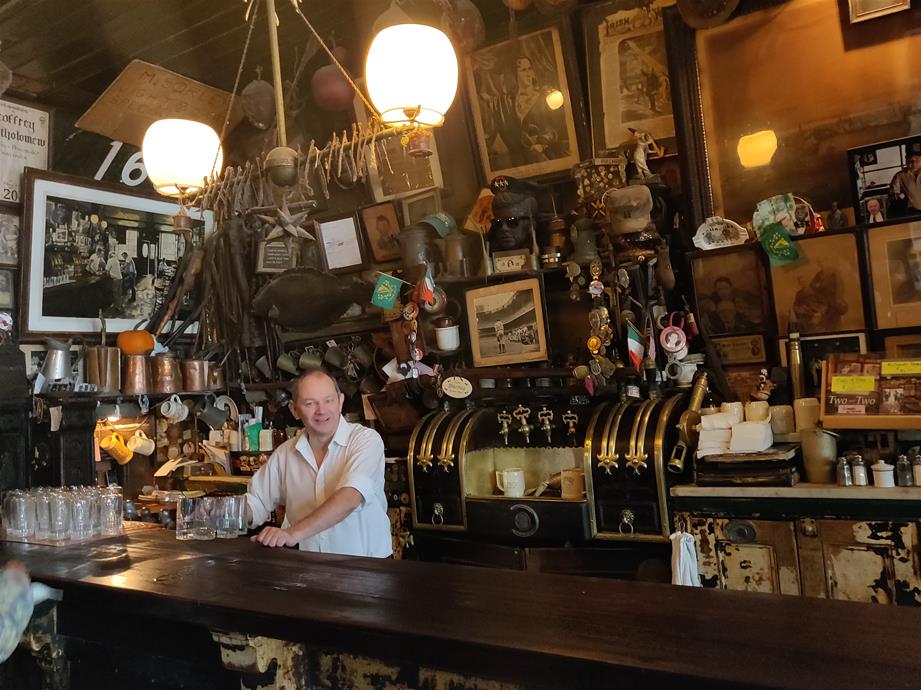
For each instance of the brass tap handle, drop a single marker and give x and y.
(425, 462)
(446, 462)
(607, 463)
(546, 418)
(505, 419)
(570, 419)
(522, 413)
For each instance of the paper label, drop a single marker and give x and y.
(457, 387)
(901, 368)
(852, 409)
(852, 384)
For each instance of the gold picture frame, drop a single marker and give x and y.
(506, 323)
(905, 346)
(895, 274)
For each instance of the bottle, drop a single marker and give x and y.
(859, 471)
(903, 471)
(795, 365)
(844, 473)
(916, 470)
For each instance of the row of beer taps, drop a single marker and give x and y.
(545, 417)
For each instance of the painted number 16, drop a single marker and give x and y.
(133, 172)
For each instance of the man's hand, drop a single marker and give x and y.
(274, 536)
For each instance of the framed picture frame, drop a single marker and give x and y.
(506, 323)
(7, 289)
(627, 74)
(9, 235)
(903, 346)
(816, 349)
(400, 173)
(862, 10)
(26, 144)
(894, 253)
(382, 231)
(340, 244)
(418, 206)
(882, 180)
(743, 380)
(74, 233)
(730, 288)
(822, 289)
(740, 349)
(272, 256)
(525, 102)
(35, 356)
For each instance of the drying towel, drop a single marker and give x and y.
(684, 560)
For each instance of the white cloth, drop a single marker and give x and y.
(684, 560)
(291, 478)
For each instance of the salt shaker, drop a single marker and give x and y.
(916, 470)
(844, 473)
(859, 471)
(903, 471)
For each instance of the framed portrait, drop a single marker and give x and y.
(88, 247)
(895, 272)
(883, 180)
(743, 380)
(731, 290)
(525, 105)
(7, 289)
(272, 256)
(862, 10)
(906, 346)
(628, 83)
(418, 206)
(821, 291)
(382, 231)
(740, 349)
(26, 143)
(35, 357)
(340, 244)
(397, 173)
(816, 349)
(9, 235)
(506, 323)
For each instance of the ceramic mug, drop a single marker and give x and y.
(448, 338)
(115, 446)
(210, 414)
(288, 362)
(311, 358)
(681, 372)
(782, 419)
(141, 444)
(174, 409)
(757, 411)
(806, 413)
(511, 481)
(335, 357)
(572, 483)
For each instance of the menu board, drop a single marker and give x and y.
(853, 384)
(24, 142)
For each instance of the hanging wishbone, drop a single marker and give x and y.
(342, 143)
(329, 149)
(307, 169)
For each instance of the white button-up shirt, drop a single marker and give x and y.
(291, 478)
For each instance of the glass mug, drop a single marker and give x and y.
(19, 514)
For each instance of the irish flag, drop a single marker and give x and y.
(635, 347)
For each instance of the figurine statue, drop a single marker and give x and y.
(836, 218)
(514, 208)
(644, 145)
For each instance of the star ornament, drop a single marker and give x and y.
(287, 225)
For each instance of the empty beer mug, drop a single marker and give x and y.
(19, 514)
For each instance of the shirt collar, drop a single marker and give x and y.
(342, 432)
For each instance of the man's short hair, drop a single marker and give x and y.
(311, 371)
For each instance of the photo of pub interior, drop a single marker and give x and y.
(460, 344)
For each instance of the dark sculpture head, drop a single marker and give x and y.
(514, 208)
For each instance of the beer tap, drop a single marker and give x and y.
(570, 419)
(504, 420)
(546, 418)
(522, 413)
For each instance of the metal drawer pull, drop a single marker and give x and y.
(438, 516)
(626, 518)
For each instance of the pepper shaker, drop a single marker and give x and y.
(859, 471)
(903, 471)
(916, 470)
(844, 473)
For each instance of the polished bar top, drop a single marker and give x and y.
(553, 627)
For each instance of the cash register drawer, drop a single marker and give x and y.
(524, 518)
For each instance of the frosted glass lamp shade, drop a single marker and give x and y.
(411, 74)
(756, 150)
(180, 154)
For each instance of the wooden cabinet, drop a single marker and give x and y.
(854, 560)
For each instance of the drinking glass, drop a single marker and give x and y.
(204, 518)
(185, 509)
(60, 511)
(19, 514)
(42, 498)
(226, 521)
(81, 523)
(110, 513)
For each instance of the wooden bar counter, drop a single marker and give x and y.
(161, 606)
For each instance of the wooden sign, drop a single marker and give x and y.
(144, 93)
(24, 142)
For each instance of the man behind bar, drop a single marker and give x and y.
(330, 478)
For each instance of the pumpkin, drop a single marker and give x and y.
(135, 342)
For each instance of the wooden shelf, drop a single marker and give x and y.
(803, 490)
(873, 422)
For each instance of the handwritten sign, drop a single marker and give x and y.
(24, 141)
(273, 258)
(852, 384)
(905, 367)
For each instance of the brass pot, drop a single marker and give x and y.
(165, 374)
(215, 376)
(103, 368)
(194, 375)
(136, 375)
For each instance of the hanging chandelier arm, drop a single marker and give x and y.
(276, 74)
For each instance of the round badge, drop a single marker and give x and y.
(410, 311)
(596, 287)
(593, 344)
(672, 337)
(6, 321)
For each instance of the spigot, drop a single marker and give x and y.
(546, 418)
(570, 419)
(522, 413)
(504, 420)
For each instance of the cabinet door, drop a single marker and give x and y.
(870, 561)
(748, 555)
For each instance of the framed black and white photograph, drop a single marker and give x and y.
(862, 10)
(7, 289)
(26, 143)
(816, 349)
(895, 272)
(382, 231)
(886, 180)
(731, 290)
(91, 247)
(506, 323)
(419, 206)
(525, 105)
(9, 235)
(340, 244)
(628, 83)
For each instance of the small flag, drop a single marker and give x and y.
(386, 291)
(635, 347)
(425, 288)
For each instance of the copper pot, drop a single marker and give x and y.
(103, 368)
(215, 376)
(194, 375)
(136, 375)
(165, 374)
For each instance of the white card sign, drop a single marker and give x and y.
(24, 142)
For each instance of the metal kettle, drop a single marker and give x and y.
(56, 366)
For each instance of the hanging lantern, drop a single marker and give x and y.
(180, 154)
(411, 74)
(756, 150)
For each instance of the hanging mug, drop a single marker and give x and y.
(288, 362)
(210, 414)
(311, 358)
(141, 444)
(115, 446)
